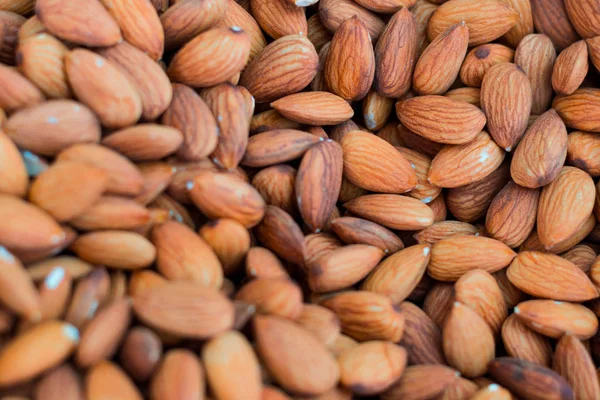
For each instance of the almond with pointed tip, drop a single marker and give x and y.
(58, 338)
(581, 152)
(448, 49)
(479, 290)
(62, 383)
(269, 120)
(452, 257)
(444, 229)
(107, 380)
(280, 233)
(276, 184)
(565, 204)
(124, 177)
(145, 142)
(210, 58)
(460, 165)
(425, 191)
(579, 110)
(420, 382)
(486, 20)
(422, 338)
(277, 146)
(482, 58)
(528, 380)
(179, 376)
(376, 110)
(279, 18)
(318, 244)
(18, 91)
(282, 343)
(506, 100)
(115, 249)
(147, 77)
(360, 231)
(367, 315)
(86, 23)
(237, 15)
(441, 119)
(570, 68)
(314, 108)
(334, 12)
(541, 153)
(104, 88)
(393, 175)
(524, 343)
(31, 27)
(574, 363)
(401, 212)
(112, 212)
(274, 296)
(554, 318)
(284, 67)
(551, 19)
(358, 65)
(398, 275)
(582, 256)
(18, 292)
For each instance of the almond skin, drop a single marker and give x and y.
(395, 55)
(360, 231)
(140, 352)
(19, 293)
(441, 119)
(482, 58)
(86, 23)
(570, 109)
(318, 183)
(273, 296)
(581, 152)
(230, 241)
(361, 149)
(277, 146)
(60, 383)
(210, 58)
(570, 68)
(276, 185)
(14, 179)
(334, 12)
(521, 342)
(453, 257)
(422, 382)
(237, 15)
(449, 49)
(478, 159)
(401, 212)
(180, 375)
(574, 363)
(422, 338)
(11, 24)
(583, 15)
(320, 321)
(264, 76)
(314, 108)
(444, 229)
(555, 318)
(512, 214)
(506, 100)
(280, 233)
(565, 204)
(282, 343)
(352, 34)
(541, 153)
(551, 19)
(279, 18)
(18, 91)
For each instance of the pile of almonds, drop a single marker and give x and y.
(299, 199)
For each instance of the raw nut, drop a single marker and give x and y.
(277, 146)
(279, 18)
(282, 343)
(571, 110)
(441, 119)
(565, 281)
(395, 55)
(444, 229)
(18, 293)
(18, 92)
(334, 12)
(486, 20)
(541, 153)
(14, 179)
(524, 343)
(512, 214)
(360, 231)
(376, 110)
(180, 375)
(468, 341)
(422, 338)
(506, 100)
(393, 174)
(237, 15)
(350, 73)
(371, 367)
(318, 34)
(582, 256)
(584, 16)
(279, 232)
(524, 25)
(140, 353)
(468, 94)
(284, 67)
(11, 24)
(425, 190)
(581, 152)
(565, 204)
(438, 301)
(145, 142)
(320, 321)
(314, 108)
(273, 296)
(574, 363)
(276, 185)
(529, 380)
(452, 257)
(554, 318)
(230, 241)
(61, 383)
(535, 55)
(439, 65)
(478, 159)
(570, 68)
(550, 18)
(422, 382)
(86, 23)
(482, 58)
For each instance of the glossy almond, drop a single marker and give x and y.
(279, 18)
(392, 211)
(570, 68)
(185, 309)
(482, 58)
(478, 159)
(441, 119)
(275, 296)
(451, 258)
(506, 100)
(555, 318)
(277, 146)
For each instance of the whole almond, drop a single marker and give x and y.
(506, 100)
(112, 212)
(180, 375)
(237, 15)
(570, 110)
(359, 65)
(583, 15)
(277, 146)
(574, 363)
(401, 212)
(140, 352)
(582, 256)
(60, 383)
(18, 91)
(145, 142)
(441, 119)
(444, 229)
(452, 257)
(185, 309)
(334, 12)
(570, 68)
(541, 153)
(551, 19)
(14, 179)
(554, 318)
(438, 301)
(275, 296)
(314, 108)
(230, 241)
(19, 293)
(581, 151)
(376, 110)
(360, 231)
(276, 185)
(279, 18)
(395, 175)
(115, 249)
(482, 58)
(521, 342)
(450, 46)
(395, 55)
(422, 338)
(422, 382)
(320, 321)
(469, 94)
(280, 233)
(11, 24)
(269, 120)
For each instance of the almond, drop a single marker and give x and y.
(318, 34)
(320, 321)
(297, 360)
(574, 363)
(269, 120)
(61, 383)
(230, 241)
(401, 212)
(361, 149)
(506, 100)
(334, 12)
(359, 66)
(276, 185)
(314, 108)
(86, 23)
(376, 110)
(237, 15)
(19, 294)
(422, 382)
(478, 159)
(112, 212)
(583, 15)
(438, 301)
(274, 296)
(581, 149)
(145, 142)
(180, 375)
(486, 20)
(360, 231)
(482, 58)
(14, 179)
(395, 55)
(18, 91)
(521, 342)
(541, 153)
(570, 68)
(451, 258)
(277, 146)
(279, 18)
(441, 119)
(572, 193)
(422, 338)
(318, 244)
(140, 352)
(449, 49)
(571, 111)
(555, 318)
(524, 25)
(279, 232)
(582, 256)
(31, 27)
(444, 229)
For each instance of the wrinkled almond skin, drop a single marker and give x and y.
(277, 146)
(521, 342)
(422, 382)
(280, 233)
(482, 58)
(279, 18)
(18, 91)
(352, 34)
(448, 49)
(230, 241)
(541, 153)
(422, 338)
(273, 296)
(314, 108)
(570, 68)
(14, 179)
(574, 363)
(584, 16)
(180, 375)
(506, 100)
(581, 152)
(11, 23)
(334, 12)
(550, 18)
(555, 318)
(570, 109)
(237, 15)
(360, 231)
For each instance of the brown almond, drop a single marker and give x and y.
(320, 321)
(444, 229)
(583, 16)
(276, 185)
(145, 142)
(551, 19)
(18, 91)
(582, 256)
(279, 18)
(277, 146)
(112, 212)
(581, 151)
(524, 343)
(230, 241)
(140, 352)
(570, 68)
(574, 363)
(314, 108)
(422, 338)
(11, 22)
(334, 12)
(353, 230)
(422, 382)
(554, 318)
(61, 383)
(18, 293)
(280, 233)
(180, 375)
(275, 296)
(482, 58)
(401, 212)
(572, 113)
(107, 380)
(237, 15)
(14, 179)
